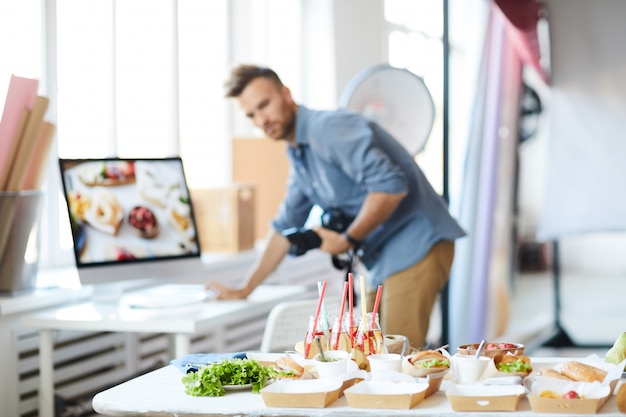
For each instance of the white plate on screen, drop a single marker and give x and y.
(167, 296)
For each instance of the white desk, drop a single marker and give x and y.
(180, 322)
(161, 393)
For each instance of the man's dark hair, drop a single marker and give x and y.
(242, 75)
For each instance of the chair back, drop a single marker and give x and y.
(288, 321)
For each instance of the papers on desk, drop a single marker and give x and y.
(167, 296)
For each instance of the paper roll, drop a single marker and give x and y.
(394, 343)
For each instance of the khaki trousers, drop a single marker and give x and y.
(408, 296)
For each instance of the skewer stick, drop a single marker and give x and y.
(363, 306)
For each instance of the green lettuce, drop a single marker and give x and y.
(210, 380)
(438, 363)
(515, 366)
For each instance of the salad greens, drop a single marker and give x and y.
(210, 380)
(441, 363)
(515, 366)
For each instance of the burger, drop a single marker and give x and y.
(428, 362)
(513, 364)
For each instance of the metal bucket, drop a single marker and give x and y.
(19, 239)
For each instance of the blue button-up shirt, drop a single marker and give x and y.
(339, 158)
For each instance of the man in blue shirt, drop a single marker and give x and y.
(343, 161)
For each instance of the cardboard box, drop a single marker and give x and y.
(536, 380)
(434, 382)
(225, 218)
(309, 393)
(263, 163)
(562, 406)
(386, 394)
(594, 396)
(484, 397)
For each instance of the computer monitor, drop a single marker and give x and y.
(131, 220)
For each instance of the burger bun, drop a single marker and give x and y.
(428, 362)
(287, 368)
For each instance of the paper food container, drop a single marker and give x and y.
(594, 396)
(433, 380)
(310, 393)
(484, 397)
(614, 372)
(351, 378)
(386, 394)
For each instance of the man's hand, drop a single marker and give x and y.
(275, 250)
(332, 242)
(225, 293)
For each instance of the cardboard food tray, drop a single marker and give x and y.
(312, 393)
(347, 384)
(434, 382)
(484, 397)
(386, 394)
(562, 406)
(595, 396)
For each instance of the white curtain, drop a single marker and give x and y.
(585, 171)
(484, 207)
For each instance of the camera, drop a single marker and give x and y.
(302, 240)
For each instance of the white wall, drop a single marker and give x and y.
(360, 38)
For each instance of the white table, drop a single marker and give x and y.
(161, 393)
(180, 322)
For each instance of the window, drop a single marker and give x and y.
(415, 42)
(138, 78)
(143, 79)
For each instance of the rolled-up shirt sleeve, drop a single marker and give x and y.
(294, 209)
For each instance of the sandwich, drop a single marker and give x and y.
(513, 364)
(553, 373)
(576, 371)
(428, 362)
(579, 371)
(286, 368)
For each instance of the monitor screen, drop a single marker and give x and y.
(130, 218)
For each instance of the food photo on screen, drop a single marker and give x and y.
(128, 210)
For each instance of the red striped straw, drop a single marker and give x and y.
(376, 303)
(319, 307)
(341, 309)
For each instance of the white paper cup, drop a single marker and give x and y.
(467, 369)
(336, 365)
(385, 362)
